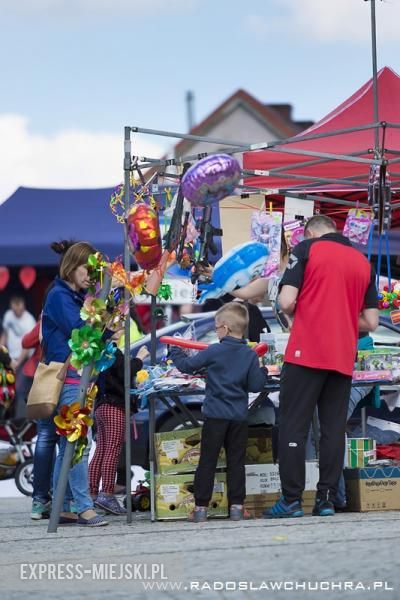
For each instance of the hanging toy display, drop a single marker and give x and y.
(235, 269)
(357, 226)
(294, 233)
(266, 228)
(389, 298)
(144, 236)
(211, 179)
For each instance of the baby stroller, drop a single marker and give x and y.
(16, 459)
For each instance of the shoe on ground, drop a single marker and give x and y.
(283, 509)
(239, 513)
(96, 521)
(110, 504)
(340, 508)
(323, 508)
(40, 510)
(198, 515)
(64, 520)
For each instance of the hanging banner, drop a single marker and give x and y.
(295, 208)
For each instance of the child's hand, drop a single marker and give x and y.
(143, 353)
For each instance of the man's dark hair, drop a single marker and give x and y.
(320, 222)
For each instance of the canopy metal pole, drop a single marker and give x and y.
(127, 346)
(188, 136)
(60, 490)
(374, 75)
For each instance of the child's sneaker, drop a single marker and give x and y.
(323, 508)
(283, 509)
(40, 510)
(110, 504)
(237, 512)
(198, 515)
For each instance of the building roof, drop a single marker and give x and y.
(277, 118)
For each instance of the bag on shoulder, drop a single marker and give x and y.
(46, 389)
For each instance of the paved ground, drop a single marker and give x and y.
(357, 548)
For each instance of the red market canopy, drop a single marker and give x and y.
(332, 159)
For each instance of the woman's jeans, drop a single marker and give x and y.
(78, 474)
(43, 461)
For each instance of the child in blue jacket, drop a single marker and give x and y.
(232, 370)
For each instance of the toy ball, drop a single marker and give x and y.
(144, 236)
(211, 179)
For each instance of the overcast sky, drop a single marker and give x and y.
(75, 72)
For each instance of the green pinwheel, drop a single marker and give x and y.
(86, 345)
(93, 311)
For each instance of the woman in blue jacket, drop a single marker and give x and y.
(61, 314)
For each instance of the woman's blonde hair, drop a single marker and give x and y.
(235, 316)
(76, 256)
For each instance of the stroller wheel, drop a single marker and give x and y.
(24, 477)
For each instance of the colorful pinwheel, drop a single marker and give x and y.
(86, 345)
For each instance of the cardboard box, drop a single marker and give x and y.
(257, 503)
(259, 446)
(373, 488)
(264, 479)
(359, 452)
(175, 500)
(179, 451)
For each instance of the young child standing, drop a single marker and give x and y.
(232, 371)
(110, 421)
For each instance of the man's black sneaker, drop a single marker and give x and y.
(323, 508)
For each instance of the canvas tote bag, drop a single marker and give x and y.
(46, 389)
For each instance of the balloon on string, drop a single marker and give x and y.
(144, 236)
(211, 179)
(27, 276)
(4, 277)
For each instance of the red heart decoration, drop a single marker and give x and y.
(27, 276)
(4, 277)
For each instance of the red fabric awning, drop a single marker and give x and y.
(356, 111)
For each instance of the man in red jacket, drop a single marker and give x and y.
(329, 287)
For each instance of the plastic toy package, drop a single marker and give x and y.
(294, 233)
(380, 359)
(357, 226)
(266, 228)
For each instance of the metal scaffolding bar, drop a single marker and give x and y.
(189, 136)
(374, 75)
(127, 345)
(320, 180)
